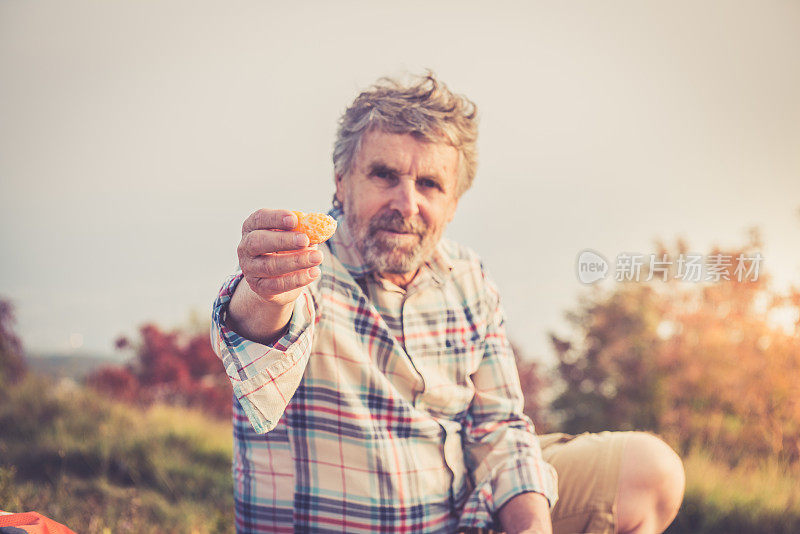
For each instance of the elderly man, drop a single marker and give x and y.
(374, 387)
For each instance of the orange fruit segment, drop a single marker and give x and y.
(319, 227)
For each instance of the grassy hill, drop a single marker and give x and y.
(100, 466)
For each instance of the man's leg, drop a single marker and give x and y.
(613, 482)
(588, 467)
(650, 487)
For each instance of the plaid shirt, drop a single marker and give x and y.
(380, 409)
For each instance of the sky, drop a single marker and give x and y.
(136, 137)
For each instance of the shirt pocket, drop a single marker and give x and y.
(448, 389)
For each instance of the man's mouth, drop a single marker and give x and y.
(396, 232)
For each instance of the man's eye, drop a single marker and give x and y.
(428, 184)
(385, 176)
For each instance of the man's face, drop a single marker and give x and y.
(397, 199)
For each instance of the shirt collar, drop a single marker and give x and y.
(342, 245)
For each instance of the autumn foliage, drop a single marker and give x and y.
(174, 367)
(713, 365)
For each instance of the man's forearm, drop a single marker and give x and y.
(527, 513)
(253, 318)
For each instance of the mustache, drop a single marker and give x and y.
(394, 222)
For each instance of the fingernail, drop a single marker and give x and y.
(288, 221)
(314, 272)
(301, 240)
(315, 256)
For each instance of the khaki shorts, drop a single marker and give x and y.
(588, 467)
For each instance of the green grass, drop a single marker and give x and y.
(759, 497)
(100, 466)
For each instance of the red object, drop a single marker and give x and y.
(31, 523)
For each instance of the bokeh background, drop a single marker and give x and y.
(136, 137)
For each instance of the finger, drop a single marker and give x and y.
(282, 284)
(313, 246)
(265, 219)
(259, 242)
(272, 265)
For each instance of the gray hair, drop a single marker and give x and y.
(424, 108)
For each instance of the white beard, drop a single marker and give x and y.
(386, 253)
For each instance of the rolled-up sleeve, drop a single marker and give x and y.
(264, 377)
(502, 452)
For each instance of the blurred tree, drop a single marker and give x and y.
(701, 363)
(114, 381)
(169, 366)
(536, 383)
(612, 375)
(12, 358)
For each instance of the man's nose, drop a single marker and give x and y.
(406, 198)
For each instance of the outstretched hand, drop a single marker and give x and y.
(275, 261)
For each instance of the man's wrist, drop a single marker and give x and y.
(254, 319)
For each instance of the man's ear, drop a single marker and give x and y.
(452, 212)
(338, 179)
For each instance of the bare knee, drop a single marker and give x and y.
(651, 485)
